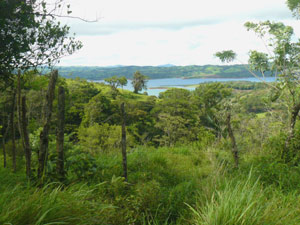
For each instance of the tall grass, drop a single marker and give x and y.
(243, 201)
(51, 205)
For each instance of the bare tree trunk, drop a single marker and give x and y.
(3, 141)
(291, 132)
(60, 133)
(25, 136)
(44, 139)
(22, 125)
(123, 142)
(13, 138)
(19, 108)
(233, 142)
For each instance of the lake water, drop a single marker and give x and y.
(159, 85)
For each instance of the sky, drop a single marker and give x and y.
(159, 32)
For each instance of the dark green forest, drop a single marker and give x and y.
(157, 72)
(79, 152)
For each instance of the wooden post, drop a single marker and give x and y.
(44, 139)
(19, 108)
(13, 137)
(123, 142)
(3, 141)
(60, 133)
(233, 142)
(25, 135)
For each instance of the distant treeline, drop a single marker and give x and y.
(156, 72)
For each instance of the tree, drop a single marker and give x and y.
(116, 82)
(208, 99)
(283, 61)
(139, 82)
(44, 135)
(294, 6)
(226, 56)
(176, 117)
(31, 36)
(123, 81)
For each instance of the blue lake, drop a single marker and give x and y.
(154, 85)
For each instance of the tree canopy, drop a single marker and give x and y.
(139, 82)
(31, 36)
(294, 6)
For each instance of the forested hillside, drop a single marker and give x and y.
(178, 151)
(156, 72)
(84, 153)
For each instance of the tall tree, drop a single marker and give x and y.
(282, 60)
(139, 82)
(31, 35)
(47, 111)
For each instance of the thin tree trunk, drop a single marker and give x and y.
(44, 139)
(13, 137)
(123, 142)
(3, 141)
(233, 142)
(19, 108)
(25, 135)
(60, 133)
(22, 125)
(291, 132)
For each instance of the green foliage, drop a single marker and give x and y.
(101, 138)
(51, 205)
(161, 180)
(79, 93)
(176, 117)
(226, 56)
(139, 82)
(99, 109)
(80, 164)
(34, 35)
(294, 6)
(259, 61)
(115, 82)
(244, 201)
(209, 98)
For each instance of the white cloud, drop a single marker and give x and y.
(139, 32)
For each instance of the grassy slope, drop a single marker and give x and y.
(182, 185)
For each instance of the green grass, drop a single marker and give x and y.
(243, 201)
(179, 185)
(52, 204)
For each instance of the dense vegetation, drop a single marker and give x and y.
(156, 72)
(180, 164)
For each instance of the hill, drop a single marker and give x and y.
(156, 72)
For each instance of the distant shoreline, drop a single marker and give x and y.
(153, 72)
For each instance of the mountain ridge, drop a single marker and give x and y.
(157, 72)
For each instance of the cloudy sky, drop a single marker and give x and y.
(157, 32)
